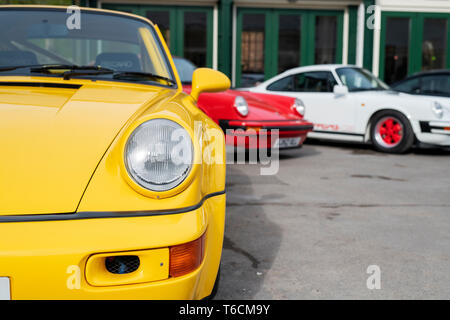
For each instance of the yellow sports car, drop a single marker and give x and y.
(112, 181)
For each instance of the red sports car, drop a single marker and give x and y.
(248, 118)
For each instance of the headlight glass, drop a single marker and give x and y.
(299, 106)
(438, 110)
(241, 106)
(159, 154)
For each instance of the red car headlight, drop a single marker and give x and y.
(241, 106)
(299, 107)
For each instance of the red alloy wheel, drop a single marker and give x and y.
(389, 132)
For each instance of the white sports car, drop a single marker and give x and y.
(349, 103)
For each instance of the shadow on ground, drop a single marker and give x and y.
(303, 152)
(251, 240)
(362, 148)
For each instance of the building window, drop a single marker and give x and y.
(252, 46)
(288, 42)
(434, 44)
(396, 49)
(326, 39)
(195, 38)
(162, 19)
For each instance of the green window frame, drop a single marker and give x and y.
(352, 32)
(415, 38)
(307, 37)
(176, 27)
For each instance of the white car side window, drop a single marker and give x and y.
(317, 81)
(284, 84)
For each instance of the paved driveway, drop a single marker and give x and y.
(333, 210)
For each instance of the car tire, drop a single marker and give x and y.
(391, 132)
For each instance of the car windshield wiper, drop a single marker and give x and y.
(11, 68)
(39, 67)
(74, 70)
(140, 75)
(49, 67)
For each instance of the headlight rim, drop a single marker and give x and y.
(438, 110)
(236, 107)
(298, 103)
(164, 193)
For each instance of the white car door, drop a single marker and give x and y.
(330, 113)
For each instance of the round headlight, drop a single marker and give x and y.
(241, 106)
(299, 106)
(159, 154)
(438, 110)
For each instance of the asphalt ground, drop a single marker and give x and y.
(312, 230)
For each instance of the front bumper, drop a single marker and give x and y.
(434, 133)
(259, 134)
(41, 259)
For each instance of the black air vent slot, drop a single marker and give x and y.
(40, 85)
(122, 264)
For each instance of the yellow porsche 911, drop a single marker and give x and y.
(112, 181)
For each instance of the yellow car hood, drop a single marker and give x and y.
(53, 137)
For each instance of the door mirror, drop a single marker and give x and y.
(340, 90)
(208, 80)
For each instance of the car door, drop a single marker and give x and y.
(330, 113)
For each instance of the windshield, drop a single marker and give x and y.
(357, 79)
(118, 44)
(185, 69)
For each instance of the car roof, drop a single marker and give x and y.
(319, 67)
(431, 72)
(316, 67)
(422, 74)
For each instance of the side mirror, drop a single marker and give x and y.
(340, 90)
(208, 80)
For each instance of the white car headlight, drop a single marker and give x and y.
(159, 154)
(299, 106)
(438, 110)
(241, 106)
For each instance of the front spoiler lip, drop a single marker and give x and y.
(225, 124)
(104, 215)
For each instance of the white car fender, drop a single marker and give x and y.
(412, 109)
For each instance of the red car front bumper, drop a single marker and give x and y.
(264, 134)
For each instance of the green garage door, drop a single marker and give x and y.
(413, 42)
(270, 41)
(187, 30)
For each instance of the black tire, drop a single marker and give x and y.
(378, 139)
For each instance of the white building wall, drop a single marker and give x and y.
(415, 5)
